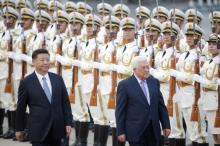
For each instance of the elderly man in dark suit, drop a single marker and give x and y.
(45, 94)
(140, 107)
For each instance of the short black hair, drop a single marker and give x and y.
(39, 51)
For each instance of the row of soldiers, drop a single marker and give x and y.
(94, 52)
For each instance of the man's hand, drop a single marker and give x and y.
(19, 135)
(68, 130)
(122, 138)
(166, 132)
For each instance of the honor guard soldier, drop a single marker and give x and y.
(55, 45)
(4, 3)
(121, 11)
(42, 4)
(191, 14)
(108, 82)
(161, 13)
(8, 37)
(88, 91)
(73, 78)
(179, 18)
(103, 9)
(185, 71)
(83, 8)
(42, 21)
(53, 7)
(163, 65)
(126, 53)
(20, 50)
(153, 30)
(23, 4)
(209, 74)
(215, 19)
(70, 7)
(142, 14)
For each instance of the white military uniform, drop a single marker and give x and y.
(6, 99)
(208, 80)
(87, 54)
(185, 67)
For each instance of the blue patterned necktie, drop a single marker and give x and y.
(46, 89)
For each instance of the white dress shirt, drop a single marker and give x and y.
(145, 86)
(40, 78)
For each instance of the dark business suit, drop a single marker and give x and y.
(47, 120)
(135, 118)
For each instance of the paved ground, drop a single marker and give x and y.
(150, 4)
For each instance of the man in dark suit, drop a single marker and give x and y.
(45, 94)
(140, 107)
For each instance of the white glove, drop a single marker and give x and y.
(59, 58)
(197, 78)
(113, 67)
(218, 81)
(121, 69)
(76, 63)
(18, 58)
(173, 72)
(96, 65)
(11, 55)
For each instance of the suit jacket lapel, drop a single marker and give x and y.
(38, 85)
(139, 90)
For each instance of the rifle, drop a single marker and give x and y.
(43, 45)
(59, 46)
(23, 50)
(112, 101)
(93, 97)
(172, 81)
(152, 60)
(142, 43)
(74, 72)
(217, 117)
(8, 85)
(195, 108)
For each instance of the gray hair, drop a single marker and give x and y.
(137, 60)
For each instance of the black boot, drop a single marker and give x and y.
(2, 115)
(103, 135)
(83, 133)
(203, 144)
(180, 142)
(194, 143)
(96, 135)
(216, 144)
(114, 137)
(10, 133)
(172, 142)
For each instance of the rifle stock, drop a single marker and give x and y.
(74, 78)
(93, 97)
(24, 64)
(112, 101)
(172, 88)
(195, 108)
(8, 85)
(59, 51)
(217, 117)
